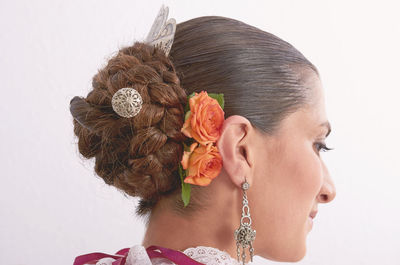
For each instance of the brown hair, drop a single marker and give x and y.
(260, 75)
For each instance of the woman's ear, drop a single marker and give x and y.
(234, 145)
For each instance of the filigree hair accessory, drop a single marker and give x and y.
(127, 102)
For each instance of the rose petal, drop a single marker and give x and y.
(197, 181)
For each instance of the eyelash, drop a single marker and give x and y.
(322, 146)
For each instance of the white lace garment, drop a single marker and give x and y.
(207, 255)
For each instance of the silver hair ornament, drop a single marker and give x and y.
(162, 31)
(127, 101)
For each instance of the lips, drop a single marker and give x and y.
(313, 214)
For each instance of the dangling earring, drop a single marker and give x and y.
(245, 235)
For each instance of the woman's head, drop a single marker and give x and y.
(272, 99)
(287, 176)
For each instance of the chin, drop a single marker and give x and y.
(297, 258)
(298, 254)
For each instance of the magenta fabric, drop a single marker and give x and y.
(92, 258)
(153, 252)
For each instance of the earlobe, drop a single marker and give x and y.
(234, 147)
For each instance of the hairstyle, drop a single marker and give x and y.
(260, 75)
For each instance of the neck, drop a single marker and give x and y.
(213, 227)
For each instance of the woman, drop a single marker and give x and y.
(270, 137)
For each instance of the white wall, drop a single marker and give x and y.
(54, 208)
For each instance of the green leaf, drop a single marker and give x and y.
(187, 115)
(187, 106)
(185, 186)
(219, 97)
(181, 172)
(186, 193)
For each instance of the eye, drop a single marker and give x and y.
(322, 146)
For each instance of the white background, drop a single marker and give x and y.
(53, 207)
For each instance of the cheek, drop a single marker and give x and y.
(304, 172)
(294, 175)
(301, 180)
(288, 188)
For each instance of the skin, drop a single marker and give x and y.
(287, 177)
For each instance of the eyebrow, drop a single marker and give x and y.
(327, 125)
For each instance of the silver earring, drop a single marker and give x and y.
(245, 235)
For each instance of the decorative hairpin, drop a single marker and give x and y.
(127, 102)
(162, 32)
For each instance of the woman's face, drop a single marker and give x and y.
(290, 180)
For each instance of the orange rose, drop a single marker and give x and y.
(205, 119)
(204, 165)
(186, 155)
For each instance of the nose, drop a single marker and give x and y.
(328, 190)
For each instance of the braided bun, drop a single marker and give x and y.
(138, 155)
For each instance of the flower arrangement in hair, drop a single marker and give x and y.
(201, 162)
